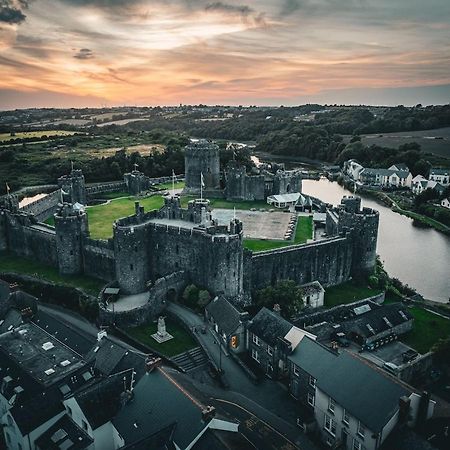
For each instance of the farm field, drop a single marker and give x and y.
(426, 139)
(6, 137)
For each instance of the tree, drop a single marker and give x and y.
(203, 298)
(190, 295)
(286, 293)
(442, 351)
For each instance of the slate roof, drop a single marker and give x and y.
(102, 401)
(161, 440)
(64, 434)
(313, 358)
(400, 166)
(439, 171)
(79, 342)
(226, 315)
(269, 326)
(375, 319)
(363, 391)
(157, 403)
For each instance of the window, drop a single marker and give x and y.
(296, 371)
(345, 417)
(255, 355)
(311, 399)
(85, 425)
(330, 425)
(131, 266)
(357, 445)
(270, 351)
(331, 405)
(256, 340)
(361, 430)
(19, 446)
(10, 421)
(312, 381)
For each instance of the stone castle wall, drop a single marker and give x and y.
(328, 261)
(43, 208)
(25, 238)
(99, 259)
(102, 188)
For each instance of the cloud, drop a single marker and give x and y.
(11, 11)
(84, 53)
(242, 10)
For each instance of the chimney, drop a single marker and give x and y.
(422, 411)
(208, 413)
(404, 406)
(151, 363)
(277, 308)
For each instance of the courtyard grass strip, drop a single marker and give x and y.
(348, 292)
(24, 266)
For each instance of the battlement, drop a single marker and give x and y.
(201, 148)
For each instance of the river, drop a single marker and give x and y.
(419, 257)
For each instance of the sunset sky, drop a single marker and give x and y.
(267, 52)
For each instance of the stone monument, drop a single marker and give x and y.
(161, 335)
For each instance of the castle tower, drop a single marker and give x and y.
(364, 234)
(71, 228)
(135, 182)
(172, 207)
(74, 185)
(236, 181)
(286, 182)
(130, 252)
(201, 157)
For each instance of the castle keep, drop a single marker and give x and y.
(166, 249)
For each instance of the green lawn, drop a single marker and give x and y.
(347, 293)
(102, 217)
(428, 329)
(112, 195)
(181, 342)
(178, 185)
(303, 232)
(225, 204)
(10, 263)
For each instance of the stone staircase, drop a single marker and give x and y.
(191, 359)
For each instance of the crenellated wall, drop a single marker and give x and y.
(99, 259)
(43, 208)
(328, 261)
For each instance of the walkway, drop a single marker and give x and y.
(268, 400)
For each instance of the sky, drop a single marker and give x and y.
(76, 53)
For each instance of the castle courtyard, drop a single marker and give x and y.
(257, 224)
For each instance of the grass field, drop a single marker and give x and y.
(178, 185)
(182, 339)
(225, 204)
(5, 137)
(112, 195)
(102, 217)
(426, 139)
(303, 232)
(10, 263)
(428, 329)
(347, 293)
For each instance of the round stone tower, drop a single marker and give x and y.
(201, 157)
(74, 186)
(71, 228)
(364, 233)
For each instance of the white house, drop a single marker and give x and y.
(352, 168)
(446, 203)
(313, 294)
(441, 176)
(418, 184)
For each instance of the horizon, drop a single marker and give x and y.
(97, 53)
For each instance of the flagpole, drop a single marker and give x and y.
(173, 183)
(201, 186)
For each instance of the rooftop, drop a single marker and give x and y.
(269, 326)
(225, 314)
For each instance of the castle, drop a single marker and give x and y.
(161, 251)
(202, 162)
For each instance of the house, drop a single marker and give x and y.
(353, 169)
(228, 323)
(283, 200)
(313, 294)
(159, 403)
(37, 373)
(355, 405)
(418, 184)
(399, 167)
(371, 326)
(446, 203)
(270, 339)
(441, 176)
